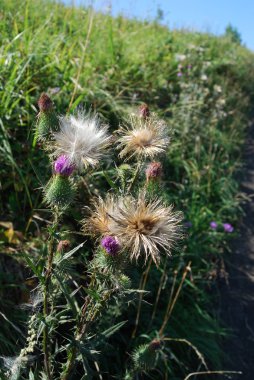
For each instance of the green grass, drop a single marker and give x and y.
(113, 65)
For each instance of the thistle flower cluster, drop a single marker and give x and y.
(129, 225)
(136, 225)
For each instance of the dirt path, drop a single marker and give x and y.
(237, 300)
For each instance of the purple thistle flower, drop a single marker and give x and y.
(213, 225)
(63, 166)
(228, 227)
(179, 74)
(111, 245)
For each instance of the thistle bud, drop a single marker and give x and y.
(47, 118)
(155, 345)
(153, 171)
(63, 166)
(63, 245)
(45, 103)
(144, 111)
(145, 357)
(60, 191)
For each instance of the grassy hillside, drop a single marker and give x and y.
(203, 86)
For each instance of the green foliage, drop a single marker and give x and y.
(233, 34)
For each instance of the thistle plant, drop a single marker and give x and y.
(121, 230)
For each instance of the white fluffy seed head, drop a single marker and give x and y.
(147, 227)
(143, 138)
(82, 138)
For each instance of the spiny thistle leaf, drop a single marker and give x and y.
(111, 330)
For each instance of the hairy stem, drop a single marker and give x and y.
(46, 348)
(82, 328)
(135, 177)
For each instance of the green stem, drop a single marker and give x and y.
(134, 177)
(81, 330)
(46, 348)
(70, 363)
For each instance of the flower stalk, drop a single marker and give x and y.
(48, 272)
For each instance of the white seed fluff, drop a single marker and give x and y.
(82, 138)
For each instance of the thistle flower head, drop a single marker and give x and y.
(213, 225)
(63, 166)
(111, 245)
(81, 138)
(139, 226)
(146, 227)
(103, 217)
(144, 138)
(228, 227)
(153, 171)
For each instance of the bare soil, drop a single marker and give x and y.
(237, 298)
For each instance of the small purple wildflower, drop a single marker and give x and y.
(63, 166)
(228, 227)
(179, 74)
(111, 245)
(213, 225)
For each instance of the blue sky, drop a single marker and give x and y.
(204, 15)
